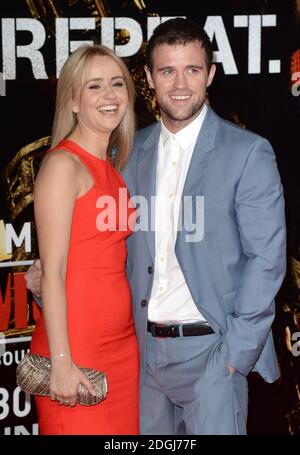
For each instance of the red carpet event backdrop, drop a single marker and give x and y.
(257, 51)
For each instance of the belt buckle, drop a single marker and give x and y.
(172, 330)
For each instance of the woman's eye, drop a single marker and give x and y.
(94, 87)
(118, 84)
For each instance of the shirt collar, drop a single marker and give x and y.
(188, 134)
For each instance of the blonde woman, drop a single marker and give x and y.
(86, 318)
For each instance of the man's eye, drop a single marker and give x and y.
(193, 70)
(167, 72)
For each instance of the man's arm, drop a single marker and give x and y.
(33, 281)
(259, 206)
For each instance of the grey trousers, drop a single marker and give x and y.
(189, 389)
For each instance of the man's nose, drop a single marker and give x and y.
(180, 79)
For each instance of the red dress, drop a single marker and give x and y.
(100, 324)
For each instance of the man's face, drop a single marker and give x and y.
(180, 78)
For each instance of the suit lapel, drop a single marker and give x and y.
(146, 178)
(195, 179)
(194, 182)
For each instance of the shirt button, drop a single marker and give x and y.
(143, 303)
(161, 288)
(162, 259)
(174, 163)
(150, 269)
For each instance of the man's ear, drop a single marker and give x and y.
(211, 74)
(149, 77)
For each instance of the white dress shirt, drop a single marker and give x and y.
(171, 300)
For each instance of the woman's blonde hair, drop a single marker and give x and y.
(70, 80)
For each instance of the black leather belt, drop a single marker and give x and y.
(172, 331)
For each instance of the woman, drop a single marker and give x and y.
(86, 318)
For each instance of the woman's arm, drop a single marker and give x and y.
(56, 189)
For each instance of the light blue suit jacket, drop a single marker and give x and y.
(236, 270)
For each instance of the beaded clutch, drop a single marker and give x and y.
(33, 376)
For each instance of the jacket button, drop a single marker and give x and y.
(143, 303)
(150, 269)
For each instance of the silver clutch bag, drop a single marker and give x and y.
(33, 375)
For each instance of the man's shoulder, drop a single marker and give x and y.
(144, 133)
(233, 135)
(239, 131)
(232, 141)
(140, 141)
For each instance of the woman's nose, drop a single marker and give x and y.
(109, 93)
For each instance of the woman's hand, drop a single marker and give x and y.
(64, 382)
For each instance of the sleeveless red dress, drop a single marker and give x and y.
(100, 324)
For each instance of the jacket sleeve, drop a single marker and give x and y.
(259, 207)
(38, 300)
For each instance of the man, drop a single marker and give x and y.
(203, 292)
